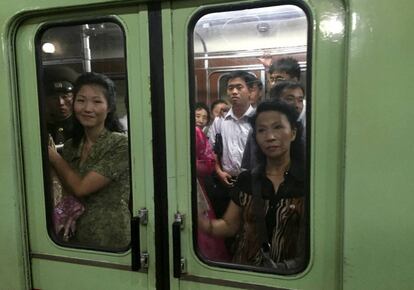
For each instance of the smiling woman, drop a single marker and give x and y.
(91, 107)
(94, 166)
(87, 159)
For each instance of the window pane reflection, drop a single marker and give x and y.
(250, 120)
(84, 127)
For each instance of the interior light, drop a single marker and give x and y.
(48, 47)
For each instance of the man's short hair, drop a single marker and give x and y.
(277, 91)
(288, 65)
(249, 78)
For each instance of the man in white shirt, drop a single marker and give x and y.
(233, 128)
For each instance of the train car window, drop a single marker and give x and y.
(84, 119)
(250, 189)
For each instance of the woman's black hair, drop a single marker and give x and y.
(111, 122)
(297, 146)
(202, 106)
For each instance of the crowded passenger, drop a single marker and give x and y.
(293, 94)
(59, 100)
(212, 248)
(266, 213)
(284, 69)
(230, 133)
(256, 94)
(94, 166)
(202, 116)
(219, 108)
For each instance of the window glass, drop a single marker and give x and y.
(250, 183)
(84, 121)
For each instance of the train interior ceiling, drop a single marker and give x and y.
(222, 42)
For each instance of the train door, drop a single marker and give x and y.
(53, 49)
(204, 41)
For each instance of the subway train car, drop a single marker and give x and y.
(163, 57)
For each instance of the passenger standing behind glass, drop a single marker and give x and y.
(267, 207)
(58, 83)
(231, 132)
(212, 248)
(94, 165)
(202, 116)
(256, 94)
(293, 94)
(219, 108)
(284, 69)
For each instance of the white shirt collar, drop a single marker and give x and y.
(230, 114)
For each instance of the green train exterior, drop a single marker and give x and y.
(361, 148)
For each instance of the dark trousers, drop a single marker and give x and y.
(217, 193)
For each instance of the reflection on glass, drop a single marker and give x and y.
(250, 158)
(88, 152)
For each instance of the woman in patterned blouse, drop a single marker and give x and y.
(267, 209)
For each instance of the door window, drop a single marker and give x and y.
(84, 128)
(250, 189)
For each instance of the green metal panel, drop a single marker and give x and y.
(324, 270)
(48, 274)
(13, 272)
(60, 276)
(379, 220)
(374, 72)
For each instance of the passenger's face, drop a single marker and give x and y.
(60, 105)
(255, 95)
(294, 97)
(274, 134)
(91, 106)
(201, 118)
(238, 92)
(278, 76)
(220, 109)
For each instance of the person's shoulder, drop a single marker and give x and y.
(198, 130)
(216, 125)
(218, 120)
(244, 181)
(242, 190)
(121, 139)
(250, 111)
(115, 139)
(119, 136)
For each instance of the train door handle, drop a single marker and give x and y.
(178, 261)
(138, 260)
